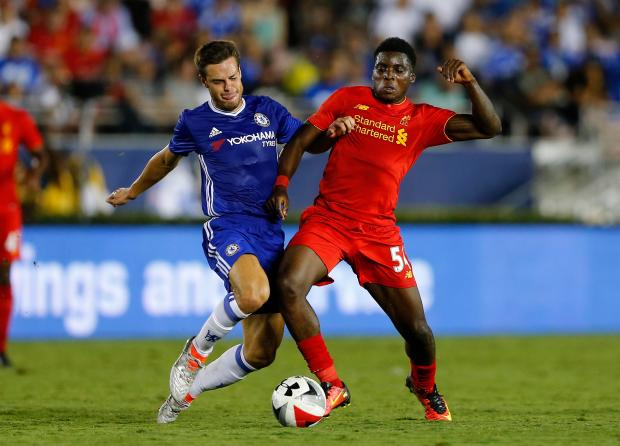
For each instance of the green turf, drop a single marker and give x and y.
(521, 391)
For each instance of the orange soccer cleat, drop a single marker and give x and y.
(335, 396)
(435, 406)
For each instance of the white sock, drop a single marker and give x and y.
(224, 317)
(229, 368)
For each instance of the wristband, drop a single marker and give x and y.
(282, 180)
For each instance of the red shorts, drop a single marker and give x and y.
(10, 232)
(376, 253)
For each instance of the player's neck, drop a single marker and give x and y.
(222, 110)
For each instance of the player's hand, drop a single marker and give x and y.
(455, 71)
(120, 196)
(277, 204)
(341, 127)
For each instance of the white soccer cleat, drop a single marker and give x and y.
(170, 410)
(184, 370)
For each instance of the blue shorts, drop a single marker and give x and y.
(226, 238)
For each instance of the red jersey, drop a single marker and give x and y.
(365, 168)
(16, 127)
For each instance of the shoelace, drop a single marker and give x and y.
(436, 401)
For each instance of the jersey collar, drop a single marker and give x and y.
(222, 112)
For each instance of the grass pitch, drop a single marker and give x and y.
(506, 390)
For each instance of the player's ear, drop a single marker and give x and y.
(203, 79)
(412, 78)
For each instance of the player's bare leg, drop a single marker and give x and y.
(404, 308)
(299, 270)
(250, 291)
(6, 301)
(262, 335)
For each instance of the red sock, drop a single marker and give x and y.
(319, 361)
(6, 301)
(423, 376)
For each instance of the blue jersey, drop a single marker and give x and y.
(237, 152)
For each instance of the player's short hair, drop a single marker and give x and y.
(215, 52)
(397, 45)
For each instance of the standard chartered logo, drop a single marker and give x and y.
(380, 130)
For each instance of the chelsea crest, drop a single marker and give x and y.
(261, 120)
(232, 249)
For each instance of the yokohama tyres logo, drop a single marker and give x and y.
(259, 136)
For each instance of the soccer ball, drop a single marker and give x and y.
(298, 401)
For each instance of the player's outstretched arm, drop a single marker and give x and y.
(307, 139)
(158, 167)
(484, 121)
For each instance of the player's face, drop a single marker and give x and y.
(224, 83)
(391, 77)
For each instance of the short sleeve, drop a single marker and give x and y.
(182, 142)
(435, 120)
(328, 111)
(287, 123)
(31, 137)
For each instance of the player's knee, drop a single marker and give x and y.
(420, 330)
(290, 285)
(260, 356)
(252, 296)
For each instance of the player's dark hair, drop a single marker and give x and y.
(215, 52)
(397, 45)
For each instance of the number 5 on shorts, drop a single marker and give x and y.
(400, 259)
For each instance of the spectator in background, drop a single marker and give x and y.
(430, 46)
(60, 194)
(473, 44)
(16, 128)
(20, 73)
(222, 20)
(287, 43)
(11, 25)
(267, 23)
(544, 101)
(93, 189)
(85, 63)
(112, 26)
(333, 75)
(182, 88)
(173, 26)
(53, 29)
(176, 197)
(400, 18)
(449, 13)
(571, 31)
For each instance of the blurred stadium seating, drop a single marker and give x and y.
(104, 73)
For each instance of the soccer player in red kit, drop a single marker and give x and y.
(378, 135)
(16, 128)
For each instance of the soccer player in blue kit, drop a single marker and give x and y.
(234, 137)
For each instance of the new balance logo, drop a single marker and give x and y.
(214, 132)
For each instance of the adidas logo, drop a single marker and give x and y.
(214, 132)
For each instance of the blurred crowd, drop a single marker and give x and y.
(87, 67)
(128, 65)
